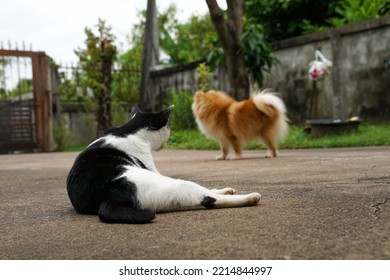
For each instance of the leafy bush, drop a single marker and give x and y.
(352, 11)
(258, 56)
(204, 77)
(120, 114)
(349, 11)
(182, 117)
(62, 135)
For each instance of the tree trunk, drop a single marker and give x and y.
(229, 33)
(103, 117)
(150, 58)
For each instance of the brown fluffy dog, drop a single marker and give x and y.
(234, 124)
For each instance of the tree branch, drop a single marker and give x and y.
(217, 17)
(229, 33)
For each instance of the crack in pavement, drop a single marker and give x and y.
(378, 207)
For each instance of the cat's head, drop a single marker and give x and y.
(150, 127)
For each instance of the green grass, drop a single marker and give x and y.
(72, 148)
(366, 135)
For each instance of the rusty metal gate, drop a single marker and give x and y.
(17, 126)
(25, 102)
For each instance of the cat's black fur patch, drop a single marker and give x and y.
(122, 212)
(141, 120)
(93, 178)
(208, 202)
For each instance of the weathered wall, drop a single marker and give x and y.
(80, 124)
(359, 83)
(182, 78)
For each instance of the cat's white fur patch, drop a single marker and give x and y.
(140, 144)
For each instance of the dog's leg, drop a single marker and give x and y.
(271, 145)
(224, 150)
(237, 147)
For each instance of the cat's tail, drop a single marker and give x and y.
(118, 212)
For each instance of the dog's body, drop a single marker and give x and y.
(233, 124)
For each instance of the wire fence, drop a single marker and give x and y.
(125, 84)
(15, 74)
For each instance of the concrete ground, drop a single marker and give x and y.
(316, 204)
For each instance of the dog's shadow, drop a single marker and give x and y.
(244, 158)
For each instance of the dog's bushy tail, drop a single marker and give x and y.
(272, 105)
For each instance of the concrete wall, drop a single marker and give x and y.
(359, 83)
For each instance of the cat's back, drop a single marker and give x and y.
(92, 174)
(99, 161)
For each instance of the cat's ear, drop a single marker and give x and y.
(134, 111)
(160, 119)
(167, 112)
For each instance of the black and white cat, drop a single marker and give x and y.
(115, 176)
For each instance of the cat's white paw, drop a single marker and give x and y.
(228, 191)
(224, 191)
(254, 198)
